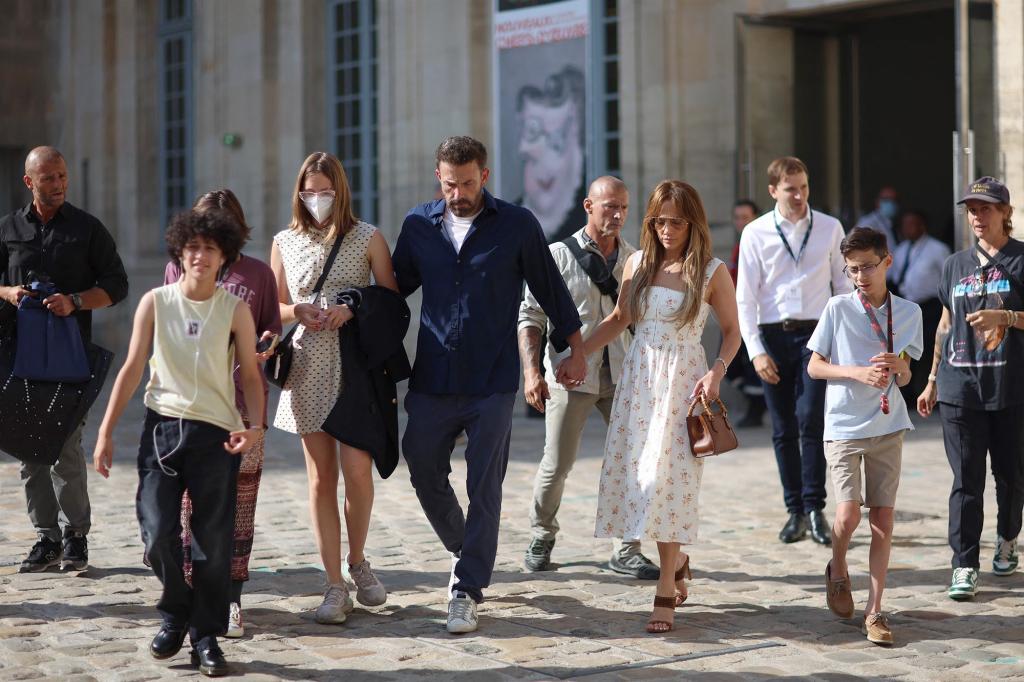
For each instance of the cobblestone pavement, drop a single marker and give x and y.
(756, 608)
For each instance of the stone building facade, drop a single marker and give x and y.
(155, 101)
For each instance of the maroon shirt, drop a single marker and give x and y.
(251, 280)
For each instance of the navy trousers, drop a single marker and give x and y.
(435, 421)
(210, 474)
(797, 406)
(969, 436)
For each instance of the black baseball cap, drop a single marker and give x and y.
(987, 189)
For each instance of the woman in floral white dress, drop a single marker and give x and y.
(650, 481)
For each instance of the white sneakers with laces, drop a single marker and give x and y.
(462, 616)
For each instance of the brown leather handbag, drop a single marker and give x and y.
(710, 433)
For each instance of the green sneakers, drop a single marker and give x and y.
(964, 585)
(1005, 560)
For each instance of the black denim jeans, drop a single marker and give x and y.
(210, 474)
(969, 436)
(797, 406)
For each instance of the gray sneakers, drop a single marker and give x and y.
(369, 590)
(462, 614)
(336, 605)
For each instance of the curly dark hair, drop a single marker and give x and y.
(217, 226)
(459, 150)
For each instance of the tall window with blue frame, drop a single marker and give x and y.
(352, 84)
(175, 106)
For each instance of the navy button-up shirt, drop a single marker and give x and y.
(467, 338)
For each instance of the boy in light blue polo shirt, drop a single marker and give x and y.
(860, 347)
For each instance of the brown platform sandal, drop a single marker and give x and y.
(660, 627)
(683, 572)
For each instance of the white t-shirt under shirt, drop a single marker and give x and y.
(844, 336)
(457, 228)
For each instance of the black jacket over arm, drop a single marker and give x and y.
(373, 360)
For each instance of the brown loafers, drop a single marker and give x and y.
(838, 593)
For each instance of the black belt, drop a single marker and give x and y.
(790, 326)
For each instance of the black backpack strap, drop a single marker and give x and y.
(595, 267)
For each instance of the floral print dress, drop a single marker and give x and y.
(650, 481)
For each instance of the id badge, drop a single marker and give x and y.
(792, 301)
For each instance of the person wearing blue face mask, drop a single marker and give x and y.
(887, 207)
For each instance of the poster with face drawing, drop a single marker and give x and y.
(540, 109)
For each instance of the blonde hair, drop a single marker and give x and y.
(783, 166)
(695, 258)
(342, 219)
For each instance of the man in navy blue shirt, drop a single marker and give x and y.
(472, 253)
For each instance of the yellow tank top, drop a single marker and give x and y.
(193, 358)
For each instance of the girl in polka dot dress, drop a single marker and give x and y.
(322, 213)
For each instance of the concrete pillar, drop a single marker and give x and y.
(435, 81)
(1009, 95)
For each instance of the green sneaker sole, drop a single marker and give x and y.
(960, 595)
(1007, 571)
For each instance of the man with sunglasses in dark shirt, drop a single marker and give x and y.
(50, 237)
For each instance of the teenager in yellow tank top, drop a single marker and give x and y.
(193, 433)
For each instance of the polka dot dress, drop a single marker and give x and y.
(314, 380)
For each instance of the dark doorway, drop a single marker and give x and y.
(874, 104)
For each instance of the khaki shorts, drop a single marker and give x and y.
(882, 456)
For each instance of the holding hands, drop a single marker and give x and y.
(572, 371)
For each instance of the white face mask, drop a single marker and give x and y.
(319, 206)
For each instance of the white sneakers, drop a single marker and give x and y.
(369, 590)
(462, 616)
(235, 629)
(336, 605)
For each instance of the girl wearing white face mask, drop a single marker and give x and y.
(321, 214)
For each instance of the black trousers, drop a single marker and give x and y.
(969, 435)
(210, 474)
(435, 421)
(797, 407)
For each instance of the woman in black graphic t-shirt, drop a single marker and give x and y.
(978, 363)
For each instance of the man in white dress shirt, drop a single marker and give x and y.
(789, 266)
(887, 207)
(915, 274)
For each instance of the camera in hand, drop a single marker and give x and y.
(267, 344)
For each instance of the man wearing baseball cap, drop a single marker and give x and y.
(977, 364)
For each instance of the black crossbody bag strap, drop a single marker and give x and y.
(320, 282)
(994, 260)
(596, 269)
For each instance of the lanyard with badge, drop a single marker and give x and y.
(807, 235)
(886, 339)
(792, 304)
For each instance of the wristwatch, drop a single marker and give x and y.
(76, 301)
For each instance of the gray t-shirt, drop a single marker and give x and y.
(844, 336)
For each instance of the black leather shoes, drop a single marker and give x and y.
(795, 529)
(167, 643)
(821, 532)
(210, 660)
